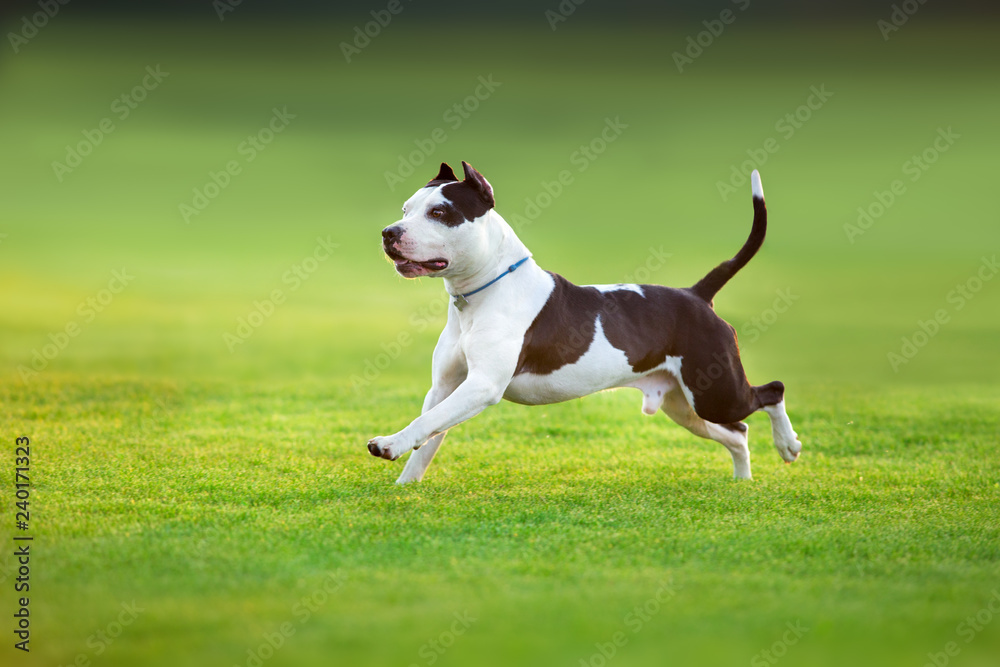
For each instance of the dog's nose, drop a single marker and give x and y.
(390, 235)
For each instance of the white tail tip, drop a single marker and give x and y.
(755, 186)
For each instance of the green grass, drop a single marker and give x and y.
(221, 510)
(219, 491)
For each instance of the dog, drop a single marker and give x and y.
(518, 332)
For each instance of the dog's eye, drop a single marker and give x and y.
(437, 212)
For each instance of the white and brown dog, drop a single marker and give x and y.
(518, 332)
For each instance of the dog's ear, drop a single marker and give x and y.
(446, 175)
(478, 182)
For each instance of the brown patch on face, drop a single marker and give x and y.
(647, 328)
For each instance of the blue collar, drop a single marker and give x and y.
(460, 299)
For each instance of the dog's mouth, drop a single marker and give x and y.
(410, 268)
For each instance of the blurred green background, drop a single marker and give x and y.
(655, 186)
(149, 381)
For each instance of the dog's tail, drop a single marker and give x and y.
(710, 285)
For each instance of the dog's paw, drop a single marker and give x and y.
(407, 478)
(382, 447)
(789, 447)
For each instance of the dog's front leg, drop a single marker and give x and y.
(491, 365)
(477, 393)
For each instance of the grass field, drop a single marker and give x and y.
(226, 498)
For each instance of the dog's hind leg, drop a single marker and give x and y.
(786, 441)
(420, 460)
(771, 397)
(448, 371)
(733, 437)
(421, 457)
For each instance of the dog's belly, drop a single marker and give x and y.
(602, 367)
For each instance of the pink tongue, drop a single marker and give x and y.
(430, 266)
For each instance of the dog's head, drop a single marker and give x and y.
(444, 230)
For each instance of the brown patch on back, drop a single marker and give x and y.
(648, 328)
